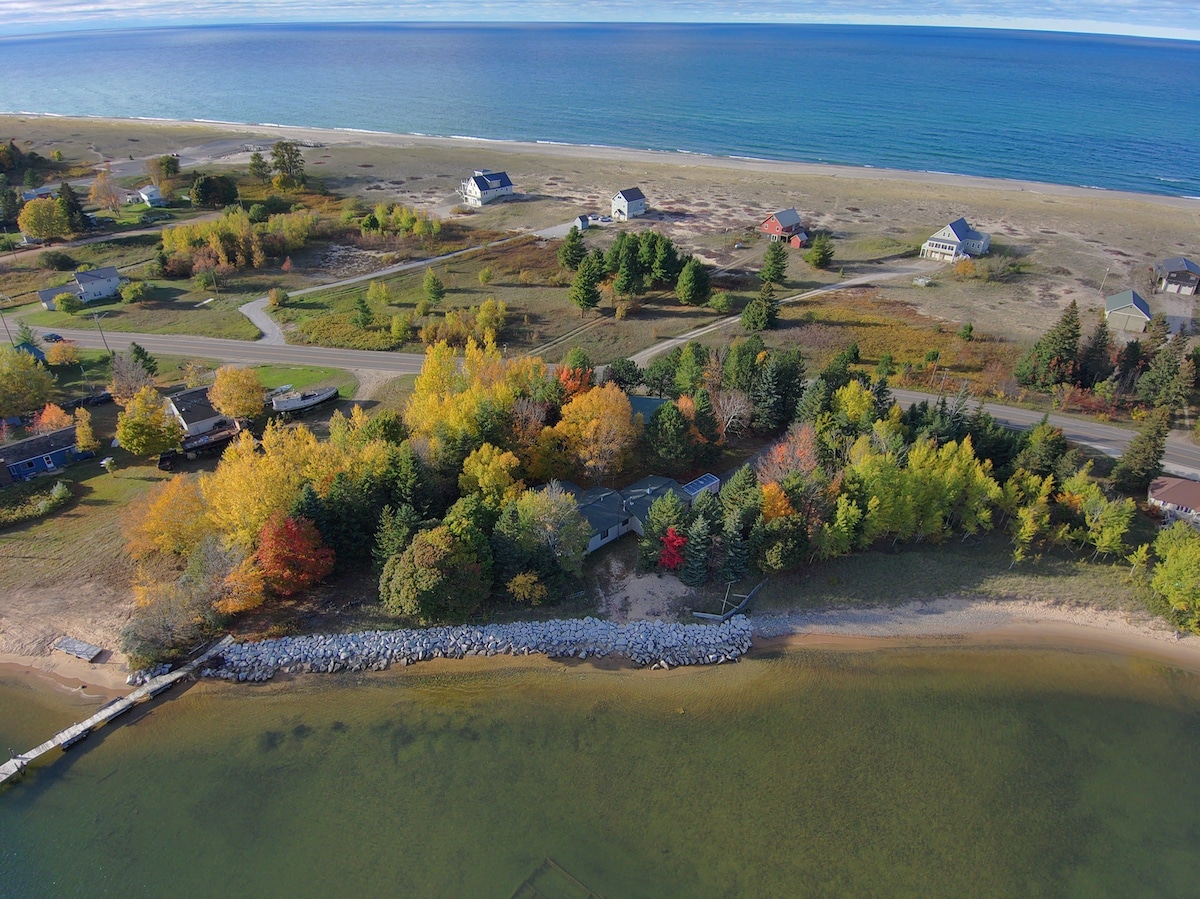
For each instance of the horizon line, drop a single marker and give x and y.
(1098, 29)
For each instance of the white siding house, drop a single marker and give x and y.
(956, 240)
(152, 196)
(628, 204)
(483, 187)
(195, 412)
(95, 284)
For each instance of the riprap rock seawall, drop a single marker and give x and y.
(642, 642)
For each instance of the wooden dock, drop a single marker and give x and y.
(76, 732)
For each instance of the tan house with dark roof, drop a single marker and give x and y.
(1177, 498)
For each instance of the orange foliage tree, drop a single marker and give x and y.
(291, 554)
(797, 450)
(51, 418)
(775, 503)
(242, 588)
(598, 429)
(169, 519)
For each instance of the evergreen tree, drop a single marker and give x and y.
(585, 289)
(1096, 356)
(666, 266)
(1141, 462)
(742, 363)
(616, 253)
(259, 167)
(705, 420)
(363, 316)
(709, 505)
(689, 371)
(72, 208)
(572, 252)
(756, 316)
(693, 287)
(741, 496)
(665, 512)
(737, 553)
(774, 267)
(142, 356)
(1161, 385)
(624, 373)
(1158, 332)
(695, 553)
(767, 294)
(435, 290)
(308, 504)
(629, 281)
(667, 434)
(395, 531)
(1052, 359)
(659, 376)
(820, 254)
(647, 250)
(813, 401)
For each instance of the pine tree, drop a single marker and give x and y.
(1161, 384)
(259, 168)
(774, 268)
(585, 289)
(1141, 462)
(813, 401)
(395, 531)
(435, 290)
(820, 254)
(695, 553)
(624, 373)
(69, 203)
(704, 419)
(1052, 359)
(1096, 356)
(769, 402)
(147, 361)
(737, 553)
(665, 512)
(689, 372)
(629, 281)
(572, 252)
(666, 262)
(756, 316)
(767, 294)
(667, 434)
(363, 316)
(693, 287)
(615, 254)
(309, 505)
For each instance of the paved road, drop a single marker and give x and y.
(1182, 456)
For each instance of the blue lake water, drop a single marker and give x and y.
(1117, 113)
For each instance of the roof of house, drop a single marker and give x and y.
(150, 191)
(701, 484)
(787, 218)
(193, 406)
(47, 294)
(97, 274)
(1124, 299)
(641, 496)
(646, 405)
(963, 231)
(26, 347)
(36, 447)
(1176, 491)
(630, 194)
(1177, 264)
(603, 508)
(491, 180)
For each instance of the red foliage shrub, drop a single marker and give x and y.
(291, 554)
(671, 557)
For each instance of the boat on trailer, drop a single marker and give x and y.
(301, 401)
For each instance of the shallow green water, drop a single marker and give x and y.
(900, 772)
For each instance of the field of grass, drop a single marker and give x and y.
(22, 276)
(979, 567)
(302, 377)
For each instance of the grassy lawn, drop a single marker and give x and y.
(391, 395)
(301, 377)
(979, 567)
(20, 278)
(170, 309)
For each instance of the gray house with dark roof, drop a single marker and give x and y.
(1127, 311)
(484, 186)
(956, 240)
(1178, 275)
(89, 285)
(628, 204)
(195, 412)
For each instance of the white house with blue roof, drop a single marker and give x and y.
(484, 187)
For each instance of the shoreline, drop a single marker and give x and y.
(684, 158)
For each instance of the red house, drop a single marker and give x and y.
(783, 225)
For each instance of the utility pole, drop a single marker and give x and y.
(1104, 279)
(96, 316)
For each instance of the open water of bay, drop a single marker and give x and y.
(947, 772)
(1111, 112)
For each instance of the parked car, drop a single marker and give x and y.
(52, 337)
(99, 399)
(594, 217)
(606, 218)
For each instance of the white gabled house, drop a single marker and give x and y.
(151, 196)
(93, 284)
(628, 204)
(484, 186)
(194, 412)
(956, 241)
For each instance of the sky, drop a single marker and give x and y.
(1152, 18)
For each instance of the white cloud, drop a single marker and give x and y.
(1161, 18)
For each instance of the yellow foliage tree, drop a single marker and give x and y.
(525, 587)
(85, 437)
(248, 486)
(236, 392)
(490, 472)
(775, 503)
(598, 429)
(244, 588)
(169, 519)
(65, 352)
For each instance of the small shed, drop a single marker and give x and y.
(628, 204)
(782, 225)
(799, 240)
(1178, 275)
(1127, 311)
(23, 460)
(706, 483)
(581, 222)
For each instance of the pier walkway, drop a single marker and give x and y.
(76, 732)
